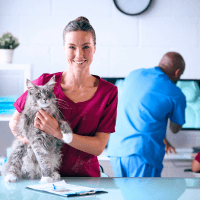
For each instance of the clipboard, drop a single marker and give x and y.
(68, 190)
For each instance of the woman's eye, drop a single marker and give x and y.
(72, 47)
(86, 47)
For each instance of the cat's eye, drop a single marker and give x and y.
(48, 94)
(38, 95)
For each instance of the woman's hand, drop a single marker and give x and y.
(47, 123)
(168, 147)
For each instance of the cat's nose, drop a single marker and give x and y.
(45, 99)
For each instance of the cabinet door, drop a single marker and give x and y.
(106, 167)
(176, 169)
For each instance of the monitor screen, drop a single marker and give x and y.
(191, 90)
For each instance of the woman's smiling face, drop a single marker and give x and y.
(79, 49)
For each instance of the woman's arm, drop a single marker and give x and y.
(92, 145)
(195, 166)
(12, 125)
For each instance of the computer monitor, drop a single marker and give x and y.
(191, 90)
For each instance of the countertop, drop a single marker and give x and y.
(117, 188)
(183, 154)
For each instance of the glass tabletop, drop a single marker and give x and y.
(117, 188)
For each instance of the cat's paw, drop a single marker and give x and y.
(10, 178)
(56, 176)
(46, 180)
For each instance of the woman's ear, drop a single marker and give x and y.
(94, 47)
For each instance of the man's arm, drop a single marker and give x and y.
(175, 128)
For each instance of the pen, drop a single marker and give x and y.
(54, 187)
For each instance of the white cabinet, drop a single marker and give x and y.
(173, 164)
(175, 168)
(106, 167)
(12, 83)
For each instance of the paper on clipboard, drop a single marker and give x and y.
(64, 189)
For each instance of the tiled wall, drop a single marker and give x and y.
(124, 42)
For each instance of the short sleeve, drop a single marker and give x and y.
(108, 118)
(20, 102)
(197, 158)
(178, 113)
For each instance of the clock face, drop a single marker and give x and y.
(132, 7)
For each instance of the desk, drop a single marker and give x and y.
(117, 188)
(174, 164)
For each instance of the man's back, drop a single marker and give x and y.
(148, 99)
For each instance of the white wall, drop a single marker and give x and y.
(124, 42)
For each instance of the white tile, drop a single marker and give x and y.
(25, 7)
(191, 56)
(58, 60)
(10, 24)
(169, 32)
(186, 8)
(42, 30)
(76, 8)
(125, 60)
(101, 62)
(37, 56)
(116, 31)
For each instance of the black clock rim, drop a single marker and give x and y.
(130, 13)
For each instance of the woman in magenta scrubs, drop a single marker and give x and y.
(91, 104)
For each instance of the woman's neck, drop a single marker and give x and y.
(76, 79)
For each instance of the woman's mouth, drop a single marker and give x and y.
(79, 62)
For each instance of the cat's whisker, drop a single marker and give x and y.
(60, 113)
(60, 105)
(61, 101)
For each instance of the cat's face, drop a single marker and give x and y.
(43, 95)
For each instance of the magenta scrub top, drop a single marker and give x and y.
(97, 114)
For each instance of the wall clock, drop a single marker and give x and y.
(132, 7)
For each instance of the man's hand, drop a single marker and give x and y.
(168, 147)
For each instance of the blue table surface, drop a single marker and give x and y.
(117, 188)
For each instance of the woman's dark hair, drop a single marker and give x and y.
(79, 24)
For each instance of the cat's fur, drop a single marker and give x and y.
(40, 158)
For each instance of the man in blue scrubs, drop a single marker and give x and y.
(149, 98)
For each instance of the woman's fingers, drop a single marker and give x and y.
(23, 139)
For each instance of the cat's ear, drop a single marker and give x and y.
(51, 82)
(30, 85)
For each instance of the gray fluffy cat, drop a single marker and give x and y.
(40, 158)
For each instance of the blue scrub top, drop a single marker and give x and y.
(147, 100)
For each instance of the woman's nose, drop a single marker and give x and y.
(79, 53)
